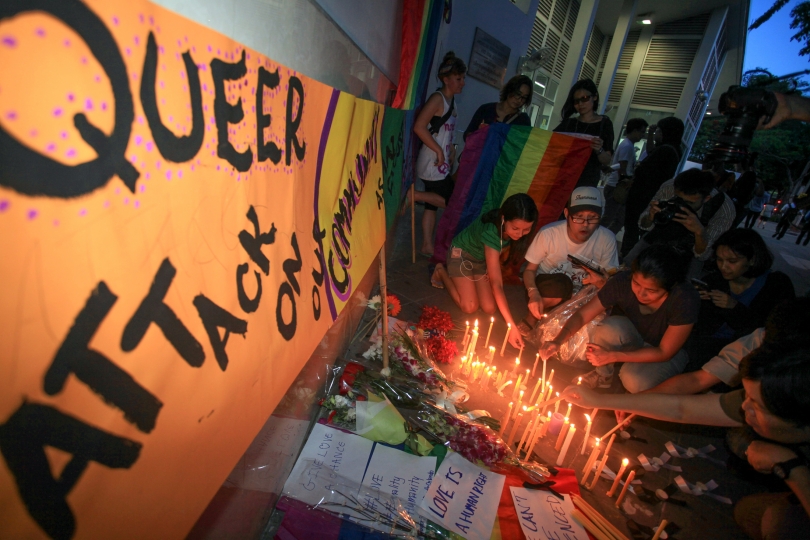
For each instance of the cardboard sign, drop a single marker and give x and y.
(543, 515)
(464, 498)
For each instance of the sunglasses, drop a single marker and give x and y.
(584, 99)
(521, 97)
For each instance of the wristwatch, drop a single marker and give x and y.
(782, 470)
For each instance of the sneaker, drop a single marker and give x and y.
(593, 379)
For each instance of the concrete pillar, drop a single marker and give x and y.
(633, 75)
(576, 54)
(626, 20)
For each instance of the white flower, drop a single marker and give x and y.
(351, 414)
(385, 372)
(341, 401)
(374, 301)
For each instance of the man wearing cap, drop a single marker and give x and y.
(550, 278)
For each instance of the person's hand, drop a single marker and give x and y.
(535, 304)
(594, 278)
(704, 295)
(597, 143)
(439, 160)
(548, 349)
(722, 300)
(654, 208)
(783, 112)
(764, 455)
(598, 356)
(689, 220)
(515, 339)
(582, 396)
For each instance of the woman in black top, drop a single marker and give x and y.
(741, 293)
(658, 167)
(584, 100)
(515, 95)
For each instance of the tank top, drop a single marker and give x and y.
(425, 162)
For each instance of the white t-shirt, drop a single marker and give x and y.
(625, 152)
(551, 247)
(426, 169)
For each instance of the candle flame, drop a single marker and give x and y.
(566, 419)
(521, 394)
(597, 440)
(549, 415)
(492, 319)
(579, 381)
(525, 408)
(573, 426)
(588, 416)
(517, 361)
(508, 325)
(468, 323)
(476, 323)
(625, 462)
(558, 394)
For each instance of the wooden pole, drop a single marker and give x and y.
(384, 304)
(413, 226)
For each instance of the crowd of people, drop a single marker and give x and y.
(689, 301)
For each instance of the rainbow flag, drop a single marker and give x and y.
(420, 29)
(501, 160)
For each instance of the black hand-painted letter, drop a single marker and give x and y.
(172, 147)
(154, 310)
(214, 318)
(265, 151)
(29, 172)
(248, 305)
(253, 244)
(293, 122)
(22, 441)
(112, 383)
(225, 113)
(291, 267)
(318, 235)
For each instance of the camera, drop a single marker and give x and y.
(669, 208)
(742, 107)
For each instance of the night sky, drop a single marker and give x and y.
(771, 37)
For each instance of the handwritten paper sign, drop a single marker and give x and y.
(464, 498)
(543, 515)
(402, 475)
(332, 452)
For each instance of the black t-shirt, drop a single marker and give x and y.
(681, 307)
(487, 114)
(602, 129)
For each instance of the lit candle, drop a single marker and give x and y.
(491, 356)
(627, 483)
(546, 425)
(536, 360)
(545, 407)
(550, 378)
(520, 400)
(579, 381)
(618, 478)
(586, 472)
(538, 432)
(473, 341)
(571, 431)
(517, 363)
(568, 412)
(526, 432)
(506, 337)
(485, 384)
(602, 463)
(517, 385)
(512, 433)
(587, 434)
(534, 392)
(491, 322)
(504, 385)
(557, 404)
(464, 339)
(471, 378)
(561, 436)
(505, 419)
(520, 352)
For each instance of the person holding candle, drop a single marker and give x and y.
(774, 406)
(473, 274)
(550, 277)
(659, 310)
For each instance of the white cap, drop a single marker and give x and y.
(586, 198)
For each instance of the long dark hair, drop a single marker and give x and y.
(749, 244)
(584, 84)
(513, 87)
(517, 206)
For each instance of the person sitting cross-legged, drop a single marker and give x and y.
(579, 235)
(659, 309)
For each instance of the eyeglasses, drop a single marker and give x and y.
(583, 99)
(589, 221)
(521, 97)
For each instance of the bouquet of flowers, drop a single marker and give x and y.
(342, 410)
(435, 321)
(375, 303)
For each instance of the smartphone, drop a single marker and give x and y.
(576, 261)
(700, 285)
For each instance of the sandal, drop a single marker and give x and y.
(435, 281)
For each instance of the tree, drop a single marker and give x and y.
(801, 20)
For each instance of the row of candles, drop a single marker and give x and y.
(470, 339)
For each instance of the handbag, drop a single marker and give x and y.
(621, 190)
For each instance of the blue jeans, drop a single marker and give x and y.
(617, 333)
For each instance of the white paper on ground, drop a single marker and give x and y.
(701, 489)
(401, 475)
(464, 498)
(262, 468)
(335, 452)
(543, 515)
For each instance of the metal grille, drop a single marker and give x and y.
(571, 23)
(538, 33)
(693, 25)
(595, 45)
(560, 11)
(552, 41)
(607, 50)
(695, 110)
(562, 54)
(629, 49)
(587, 71)
(671, 55)
(658, 91)
(545, 8)
(618, 87)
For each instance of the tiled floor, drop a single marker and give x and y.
(697, 517)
